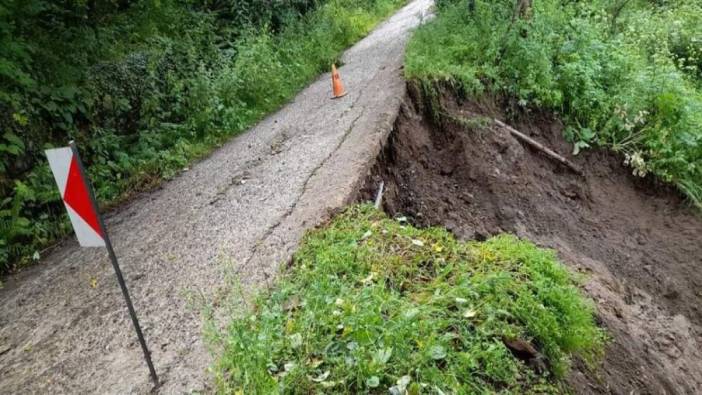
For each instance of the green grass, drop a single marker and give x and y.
(374, 305)
(626, 75)
(157, 106)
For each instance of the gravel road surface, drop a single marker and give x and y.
(64, 326)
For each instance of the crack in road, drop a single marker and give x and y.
(303, 190)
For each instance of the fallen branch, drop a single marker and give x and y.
(535, 144)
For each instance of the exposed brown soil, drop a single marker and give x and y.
(638, 242)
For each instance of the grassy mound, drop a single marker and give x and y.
(372, 304)
(626, 75)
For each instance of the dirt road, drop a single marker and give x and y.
(64, 327)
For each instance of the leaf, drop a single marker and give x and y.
(403, 382)
(418, 243)
(295, 340)
(290, 326)
(11, 149)
(14, 139)
(67, 116)
(373, 381)
(20, 119)
(401, 387)
(369, 278)
(329, 384)
(411, 313)
(579, 146)
(470, 313)
(315, 362)
(586, 134)
(66, 92)
(437, 352)
(321, 377)
(15, 146)
(382, 356)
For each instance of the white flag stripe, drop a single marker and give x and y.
(87, 237)
(60, 163)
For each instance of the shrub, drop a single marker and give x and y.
(622, 74)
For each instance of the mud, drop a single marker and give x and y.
(638, 242)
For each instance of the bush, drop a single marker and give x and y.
(374, 305)
(622, 74)
(144, 88)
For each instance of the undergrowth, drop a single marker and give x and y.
(144, 88)
(373, 305)
(623, 74)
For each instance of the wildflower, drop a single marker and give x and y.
(637, 162)
(640, 117)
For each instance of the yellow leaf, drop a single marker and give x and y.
(314, 363)
(347, 330)
(289, 326)
(93, 282)
(369, 278)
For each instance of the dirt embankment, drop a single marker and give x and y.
(638, 242)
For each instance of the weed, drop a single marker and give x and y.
(373, 305)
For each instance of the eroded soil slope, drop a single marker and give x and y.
(638, 242)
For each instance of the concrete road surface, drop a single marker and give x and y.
(64, 327)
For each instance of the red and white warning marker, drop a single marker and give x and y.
(76, 197)
(82, 208)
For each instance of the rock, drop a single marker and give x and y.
(521, 349)
(525, 351)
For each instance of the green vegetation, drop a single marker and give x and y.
(623, 74)
(372, 304)
(145, 87)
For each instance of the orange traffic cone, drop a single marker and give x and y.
(337, 86)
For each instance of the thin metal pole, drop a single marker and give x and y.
(115, 265)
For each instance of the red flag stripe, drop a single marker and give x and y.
(77, 197)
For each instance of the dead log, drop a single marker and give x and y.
(535, 144)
